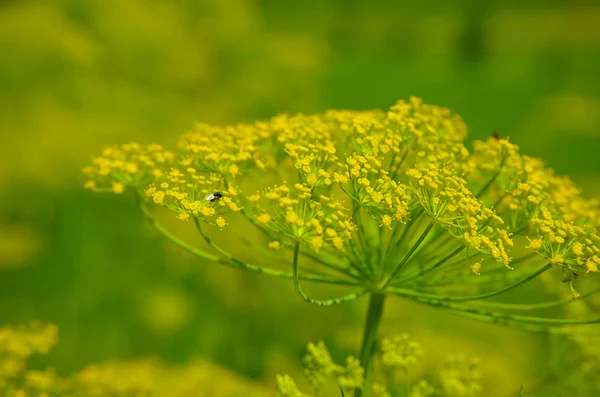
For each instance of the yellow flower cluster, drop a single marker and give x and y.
(531, 199)
(447, 200)
(373, 189)
(295, 214)
(227, 150)
(193, 195)
(148, 377)
(129, 165)
(422, 122)
(458, 376)
(400, 351)
(565, 244)
(309, 144)
(318, 366)
(423, 389)
(17, 344)
(496, 154)
(135, 378)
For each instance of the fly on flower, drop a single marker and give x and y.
(214, 196)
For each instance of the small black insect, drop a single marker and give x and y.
(496, 135)
(214, 196)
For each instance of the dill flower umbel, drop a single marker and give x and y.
(382, 202)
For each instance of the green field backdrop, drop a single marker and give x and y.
(77, 75)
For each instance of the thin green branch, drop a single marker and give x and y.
(487, 185)
(348, 271)
(490, 276)
(329, 302)
(435, 266)
(414, 294)
(526, 326)
(409, 254)
(534, 306)
(512, 317)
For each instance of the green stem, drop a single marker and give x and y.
(534, 306)
(435, 266)
(408, 255)
(371, 333)
(487, 185)
(510, 317)
(531, 324)
(330, 302)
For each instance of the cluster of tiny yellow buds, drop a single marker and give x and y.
(140, 378)
(367, 134)
(38, 338)
(521, 185)
(565, 244)
(275, 245)
(447, 200)
(41, 381)
(525, 202)
(378, 390)
(313, 161)
(423, 389)
(294, 213)
(148, 377)
(534, 187)
(494, 154)
(351, 377)
(310, 147)
(400, 352)
(286, 387)
(383, 198)
(420, 120)
(128, 165)
(193, 195)
(319, 367)
(441, 154)
(476, 268)
(570, 205)
(226, 150)
(107, 378)
(17, 344)
(304, 130)
(460, 377)
(318, 364)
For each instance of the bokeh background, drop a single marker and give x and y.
(76, 75)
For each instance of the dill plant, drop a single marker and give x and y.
(384, 203)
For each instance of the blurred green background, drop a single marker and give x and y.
(77, 75)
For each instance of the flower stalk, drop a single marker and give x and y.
(370, 336)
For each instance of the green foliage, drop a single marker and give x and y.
(77, 74)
